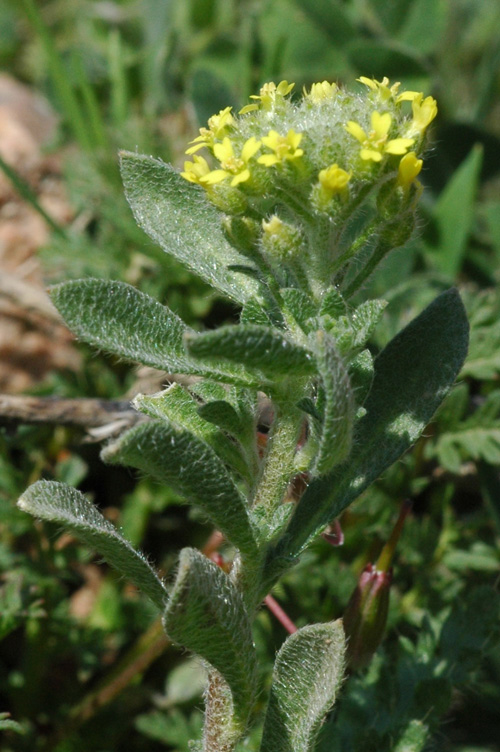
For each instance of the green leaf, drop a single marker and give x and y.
(413, 738)
(177, 215)
(300, 306)
(119, 319)
(454, 215)
(7, 725)
(476, 438)
(65, 505)
(206, 614)
(257, 348)
(361, 372)
(333, 304)
(412, 376)
(364, 320)
(253, 313)
(307, 675)
(338, 412)
(176, 405)
(222, 414)
(186, 463)
(483, 361)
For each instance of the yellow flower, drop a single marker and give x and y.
(284, 147)
(217, 128)
(424, 112)
(230, 165)
(320, 91)
(334, 179)
(409, 168)
(196, 170)
(269, 95)
(384, 92)
(375, 144)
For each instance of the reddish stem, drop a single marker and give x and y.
(275, 608)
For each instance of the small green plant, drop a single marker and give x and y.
(295, 206)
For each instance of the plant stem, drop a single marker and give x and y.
(276, 610)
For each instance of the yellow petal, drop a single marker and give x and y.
(399, 145)
(356, 130)
(250, 148)
(368, 82)
(370, 155)
(381, 123)
(408, 96)
(296, 154)
(215, 176)
(248, 108)
(293, 138)
(241, 177)
(224, 151)
(272, 139)
(195, 148)
(284, 88)
(409, 168)
(268, 159)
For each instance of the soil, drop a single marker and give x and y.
(33, 340)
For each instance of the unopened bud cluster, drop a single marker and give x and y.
(304, 170)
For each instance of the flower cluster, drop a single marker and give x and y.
(317, 159)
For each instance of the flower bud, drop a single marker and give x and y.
(280, 239)
(365, 617)
(242, 232)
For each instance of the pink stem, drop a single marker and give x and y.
(275, 608)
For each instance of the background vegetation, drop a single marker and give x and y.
(83, 664)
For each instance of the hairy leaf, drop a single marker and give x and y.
(222, 414)
(176, 405)
(300, 306)
(121, 320)
(256, 347)
(361, 372)
(63, 504)
(206, 614)
(254, 313)
(364, 320)
(177, 215)
(412, 376)
(307, 674)
(186, 463)
(338, 412)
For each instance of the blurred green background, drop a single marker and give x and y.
(145, 74)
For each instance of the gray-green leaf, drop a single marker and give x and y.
(307, 674)
(177, 215)
(118, 318)
(186, 463)
(255, 347)
(412, 376)
(335, 437)
(176, 405)
(206, 614)
(65, 505)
